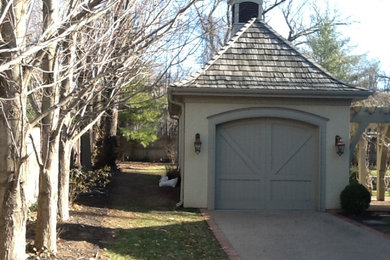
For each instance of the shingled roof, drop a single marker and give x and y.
(259, 60)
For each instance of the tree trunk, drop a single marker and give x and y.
(108, 151)
(362, 154)
(63, 184)
(13, 213)
(48, 178)
(13, 230)
(112, 122)
(110, 142)
(47, 199)
(45, 235)
(381, 162)
(95, 132)
(65, 145)
(86, 153)
(13, 130)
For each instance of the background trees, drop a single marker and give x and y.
(140, 119)
(332, 52)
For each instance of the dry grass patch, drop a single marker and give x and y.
(149, 226)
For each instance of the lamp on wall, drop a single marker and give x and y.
(340, 145)
(197, 143)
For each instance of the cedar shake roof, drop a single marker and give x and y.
(259, 60)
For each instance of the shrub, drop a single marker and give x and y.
(35, 254)
(32, 212)
(172, 171)
(355, 198)
(82, 182)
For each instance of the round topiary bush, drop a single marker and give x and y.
(355, 198)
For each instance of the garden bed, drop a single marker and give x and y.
(136, 219)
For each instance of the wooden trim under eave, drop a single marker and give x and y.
(350, 95)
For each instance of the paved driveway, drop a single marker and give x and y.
(299, 235)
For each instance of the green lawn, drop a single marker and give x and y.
(149, 168)
(149, 225)
(166, 235)
(374, 173)
(374, 192)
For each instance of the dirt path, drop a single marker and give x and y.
(96, 220)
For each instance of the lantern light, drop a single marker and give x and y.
(340, 145)
(197, 143)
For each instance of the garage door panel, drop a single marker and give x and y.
(292, 194)
(287, 142)
(235, 167)
(299, 164)
(238, 176)
(243, 194)
(266, 163)
(246, 146)
(235, 155)
(233, 163)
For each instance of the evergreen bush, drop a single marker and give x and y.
(355, 198)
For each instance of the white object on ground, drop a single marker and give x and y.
(164, 182)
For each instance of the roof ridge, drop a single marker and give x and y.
(220, 52)
(308, 59)
(257, 58)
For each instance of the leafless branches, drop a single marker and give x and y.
(300, 26)
(66, 64)
(269, 6)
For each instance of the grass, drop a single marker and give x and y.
(166, 235)
(374, 173)
(150, 225)
(144, 168)
(374, 192)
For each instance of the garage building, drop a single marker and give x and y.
(266, 118)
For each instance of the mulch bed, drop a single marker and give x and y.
(378, 220)
(82, 236)
(376, 217)
(92, 217)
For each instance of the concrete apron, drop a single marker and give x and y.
(299, 235)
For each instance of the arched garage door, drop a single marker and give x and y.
(266, 163)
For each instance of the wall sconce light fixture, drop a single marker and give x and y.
(197, 143)
(340, 145)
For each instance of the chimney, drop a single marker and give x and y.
(243, 11)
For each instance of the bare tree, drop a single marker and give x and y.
(302, 18)
(300, 27)
(214, 29)
(13, 128)
(84, 50)
(214, 21)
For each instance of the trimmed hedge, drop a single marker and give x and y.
(355, 198)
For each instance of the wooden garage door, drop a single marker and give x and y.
(266, 164)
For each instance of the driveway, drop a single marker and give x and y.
(299, 235)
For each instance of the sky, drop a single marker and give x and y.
(369, 33)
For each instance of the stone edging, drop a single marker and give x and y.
(221, 238)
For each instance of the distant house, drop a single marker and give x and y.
(267, 118)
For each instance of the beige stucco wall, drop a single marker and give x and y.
(198, 109)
